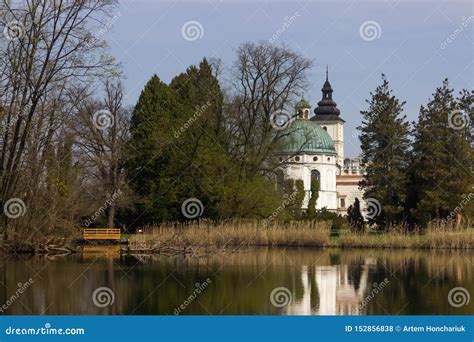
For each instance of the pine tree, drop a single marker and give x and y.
(442, 156)
(355, 218)
(385, 143)
(149, 156)
(466, 105)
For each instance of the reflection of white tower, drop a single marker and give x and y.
(326, 281)
(302, 306)
(348, 298)
(336, 295)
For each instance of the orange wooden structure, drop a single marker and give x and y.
(101, 233)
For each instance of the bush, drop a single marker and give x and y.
(338, 222)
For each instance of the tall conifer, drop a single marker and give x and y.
(385, 144)
(442, 157)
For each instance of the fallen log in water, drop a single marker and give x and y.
(55, 250)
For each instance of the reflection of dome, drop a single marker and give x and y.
(304, 136)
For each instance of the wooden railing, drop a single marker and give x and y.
(101, 233)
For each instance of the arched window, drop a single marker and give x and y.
(315, 179)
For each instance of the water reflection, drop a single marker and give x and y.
(322, 282)
(337, 294)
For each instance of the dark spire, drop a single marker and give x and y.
(327, 106)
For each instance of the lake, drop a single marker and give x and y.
(264, 281)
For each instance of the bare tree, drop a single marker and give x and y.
(49, 46)
(102, 131)
(266, 79)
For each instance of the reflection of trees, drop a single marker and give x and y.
(321, 281)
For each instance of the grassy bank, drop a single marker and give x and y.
(248, 233)
(430, 240)
(234, 233)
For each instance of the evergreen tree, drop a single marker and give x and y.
(442, 156)
(294, 196)
(314, 198)
(180, 149)
(385, 143)
(148, 156)
(466, 105)
(355, 218)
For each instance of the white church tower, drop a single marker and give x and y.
(327, 116)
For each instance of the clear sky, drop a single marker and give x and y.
(415, 43)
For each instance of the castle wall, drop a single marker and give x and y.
(347, 191)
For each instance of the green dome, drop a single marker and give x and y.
(302, 104)
(304, 136)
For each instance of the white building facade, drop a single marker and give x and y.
(314, 151)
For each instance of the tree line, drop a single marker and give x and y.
(422, 171)
(73, 155)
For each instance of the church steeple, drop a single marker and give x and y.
(327, 106)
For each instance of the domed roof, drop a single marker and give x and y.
(304, 136)
(302, 104)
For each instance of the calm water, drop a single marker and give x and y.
(318, 282)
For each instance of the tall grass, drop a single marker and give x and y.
(247, 233)
(449, 236)
(234, 233)
(434, 236)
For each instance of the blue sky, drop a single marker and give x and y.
(417, 44)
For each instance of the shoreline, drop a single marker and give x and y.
(213, 237)
(192, 250)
